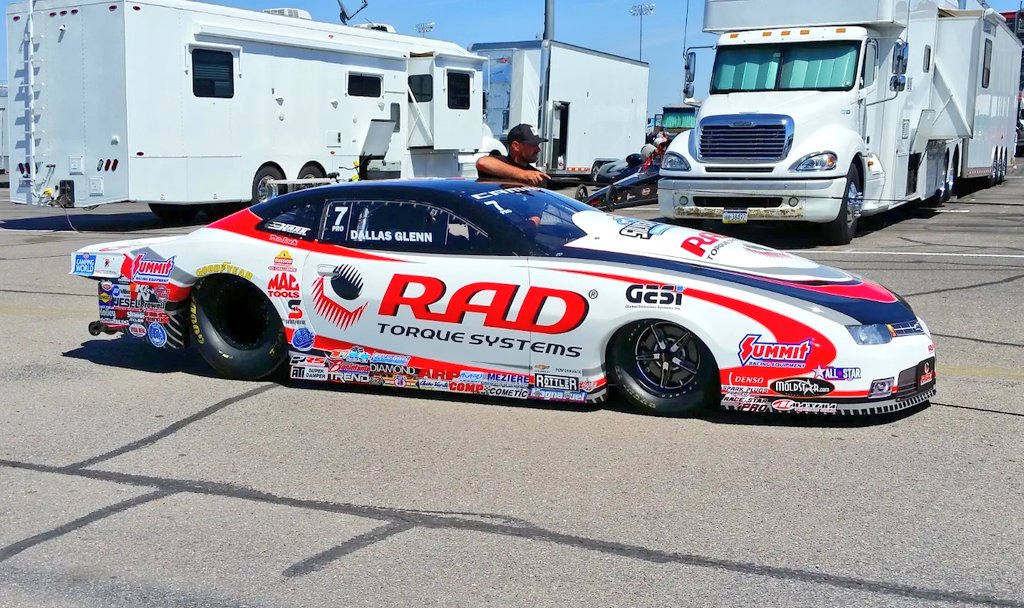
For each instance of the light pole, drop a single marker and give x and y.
(639, 10)
(423, 28)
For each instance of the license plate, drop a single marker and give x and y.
(926, 373)
(734, 216)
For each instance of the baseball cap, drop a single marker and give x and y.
(524, 133)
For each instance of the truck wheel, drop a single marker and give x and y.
(174, 214)
(311, 172)
(841, 230)
(1003, 166)
(236, 328)
(942, 194)
(663, 369)
(260, 187)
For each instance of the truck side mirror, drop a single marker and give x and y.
(688, 90)
(900, 58)
(898, 84)
(689, 68)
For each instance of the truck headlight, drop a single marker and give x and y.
(819, 161)
(674, 161)
(870, 334)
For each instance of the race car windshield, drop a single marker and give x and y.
(543, 216)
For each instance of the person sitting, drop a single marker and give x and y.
(523, 151)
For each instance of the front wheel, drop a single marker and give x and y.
(841, 230)
(237, 330)
(664, 369)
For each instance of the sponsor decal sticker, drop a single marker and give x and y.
(157, 335)
(347, 284)
(287, 228)
(145, 270)
(302, 339)
(802, 387)
(798, 407)
(284, 285)
(640, 229)
(283, 262)
(837, 374)
(137, 329)
(926, 373)
(84, 265)
(418, 294)
(654, 296)
(564, 383)
(223, 268)
(557, 395)
(511, 392)
(753, 352)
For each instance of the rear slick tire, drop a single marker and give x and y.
(663, 369)
(236, 328)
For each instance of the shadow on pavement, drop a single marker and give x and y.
(83, 221)
(135, 354)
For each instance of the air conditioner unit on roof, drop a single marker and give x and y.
(289, 12)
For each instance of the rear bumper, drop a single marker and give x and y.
(813, 200)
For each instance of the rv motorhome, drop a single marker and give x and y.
(827, 111)
(177, 104)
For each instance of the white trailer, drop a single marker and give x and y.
(5, 166)
(596, 108)
(177, 103)
(827, 111)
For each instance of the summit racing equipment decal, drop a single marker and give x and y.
(770, 354)
(461, 337)
(495, 312)
(151, 271)
(802, 387)
(347, 284)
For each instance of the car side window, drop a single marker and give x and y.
(299, 219)
(401, 226)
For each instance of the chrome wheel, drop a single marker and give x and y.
(263, 189)
(667, 357)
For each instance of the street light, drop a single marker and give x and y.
(639, 10)
(423, 28)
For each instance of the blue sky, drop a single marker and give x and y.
(605, 25)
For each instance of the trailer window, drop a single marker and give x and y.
(986, 69)
(212, 74)
(459, 90)
(421, 87)
(362, 85)
(809, 66)
(401, 226)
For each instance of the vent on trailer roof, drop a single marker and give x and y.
(298, 13)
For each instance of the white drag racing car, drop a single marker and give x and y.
(471, 287)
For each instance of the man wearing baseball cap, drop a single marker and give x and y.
(523, 151)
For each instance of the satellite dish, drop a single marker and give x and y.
(346, 16)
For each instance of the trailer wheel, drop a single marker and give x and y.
(260, 183)
(174, 214)
(311, 171)
(1001, 175)
(841, 230)
(236, 328)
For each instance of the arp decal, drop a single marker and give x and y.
(770, 354)
(151, 271)
(347, 284)
(431, 290)
(802, 387)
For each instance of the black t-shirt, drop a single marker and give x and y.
(508, 161)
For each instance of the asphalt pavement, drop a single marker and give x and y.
(134, 477)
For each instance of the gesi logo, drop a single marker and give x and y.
(655, 294)
(283, 285)
(431, 290)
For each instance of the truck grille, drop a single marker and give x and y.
(762, 138)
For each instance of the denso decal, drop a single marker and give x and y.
(284, 285)
(654, 295)
(802, 387)
(770, 354)
(495, 312)
(151, 271)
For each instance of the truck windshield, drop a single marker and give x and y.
(809, 66)
(680, 119)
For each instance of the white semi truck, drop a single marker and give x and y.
(829, 111)
(595, 108)
(179, 104)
